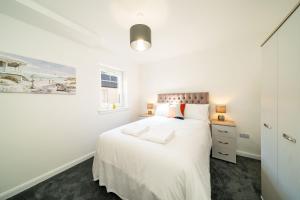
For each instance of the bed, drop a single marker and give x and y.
(137, 169)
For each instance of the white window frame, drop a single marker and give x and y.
(123, 87)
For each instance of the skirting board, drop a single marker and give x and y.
(28, 184)
(248, 155)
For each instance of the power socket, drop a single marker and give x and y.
(244, 135)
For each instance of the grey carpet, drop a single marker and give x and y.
(239, 181)
(229, 182)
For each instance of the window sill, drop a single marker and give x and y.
(101, 111)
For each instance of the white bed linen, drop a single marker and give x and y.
(178, 170)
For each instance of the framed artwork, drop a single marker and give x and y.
(20, 74)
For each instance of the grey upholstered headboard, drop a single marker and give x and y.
(190, 98)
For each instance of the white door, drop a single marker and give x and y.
(268, 120)
(289, 108)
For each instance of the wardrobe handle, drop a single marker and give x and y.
(267, 126)
(289, 138)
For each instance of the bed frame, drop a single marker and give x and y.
(190, 98)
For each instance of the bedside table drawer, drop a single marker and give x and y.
(222, 141)
(224, 131)
(224, 153)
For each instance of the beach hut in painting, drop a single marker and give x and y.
(11, 69)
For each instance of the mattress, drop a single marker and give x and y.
(137, 169)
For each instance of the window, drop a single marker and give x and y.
(112, 89)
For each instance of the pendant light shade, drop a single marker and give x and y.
(140, 37)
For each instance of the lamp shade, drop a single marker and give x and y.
(140, 37)
(220, 108)
(150, 106)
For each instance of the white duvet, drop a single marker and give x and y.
(178, 170)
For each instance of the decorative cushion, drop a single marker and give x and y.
(177, 111)
(172, 111)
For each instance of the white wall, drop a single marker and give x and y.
(41, 132)
(230, 74)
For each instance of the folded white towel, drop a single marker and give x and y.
(135, 129)
(158, 134)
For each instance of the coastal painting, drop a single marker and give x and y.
(20, 74)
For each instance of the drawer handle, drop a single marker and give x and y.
(221, 131)
(267, 126)
(223, 142)
(289, 138)
(224, 154)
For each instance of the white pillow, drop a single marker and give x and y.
(197, 111)
(162, 109)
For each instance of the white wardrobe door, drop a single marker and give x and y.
(289, 108)
(268, 120)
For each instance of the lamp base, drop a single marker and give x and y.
(221, 117)
(150, 112)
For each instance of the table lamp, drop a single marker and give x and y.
(221, 109)
(150, 107)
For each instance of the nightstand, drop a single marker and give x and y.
(145, 115)
(224, 140)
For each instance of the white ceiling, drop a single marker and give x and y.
(178, 26)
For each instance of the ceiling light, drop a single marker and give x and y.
(140, 37)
